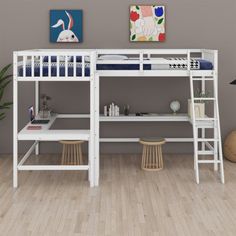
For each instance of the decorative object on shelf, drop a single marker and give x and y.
(233, 82)
(175, 106)
(147, 23)
(126, 110)
(66, 26)
(112, 110)
(31, 113)
(199, 105)
(3, 84)
(230, 147)
(45, 112)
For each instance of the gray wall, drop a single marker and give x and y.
(190, 24)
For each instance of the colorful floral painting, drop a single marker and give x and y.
(66, 26)
(147, 23)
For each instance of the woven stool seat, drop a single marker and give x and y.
(152, 153)
(72, 153)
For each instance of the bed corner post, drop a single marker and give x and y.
(15, 121)
(96, 126)
(37, 110)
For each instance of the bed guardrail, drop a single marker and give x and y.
(54, 65)
(155, 59)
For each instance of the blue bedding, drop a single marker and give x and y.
(203, 65)
(54, 71)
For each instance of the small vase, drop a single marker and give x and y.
(126, 110)
(199, 109)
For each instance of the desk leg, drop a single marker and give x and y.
(91, 162)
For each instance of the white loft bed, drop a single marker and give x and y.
(91, 66)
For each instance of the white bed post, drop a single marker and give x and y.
(217, 134)
(92, 120)
(15, 121)
(37, 110)
(203, 133)
(96, 126)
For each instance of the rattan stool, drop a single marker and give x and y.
(71, 153)
(152, 153)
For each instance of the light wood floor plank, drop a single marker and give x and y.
(129, 200)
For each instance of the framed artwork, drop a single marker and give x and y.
(66, 26)
(147, 23)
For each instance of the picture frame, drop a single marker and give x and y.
(66, 26)
(147, 23)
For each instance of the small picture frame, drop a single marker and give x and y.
(66, 26)
(147, 23)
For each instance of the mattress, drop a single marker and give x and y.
(162, 64)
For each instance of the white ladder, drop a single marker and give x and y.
(213, 144)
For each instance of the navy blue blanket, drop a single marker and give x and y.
(204, 65)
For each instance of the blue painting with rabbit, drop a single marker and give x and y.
(66, 26)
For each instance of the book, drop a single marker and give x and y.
(34, 127)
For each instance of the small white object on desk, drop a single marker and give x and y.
(111, 110)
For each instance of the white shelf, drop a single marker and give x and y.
(54, 135)
(135, 140)
(45, 134)
(145, 118)
(44, 126)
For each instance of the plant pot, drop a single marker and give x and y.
(45, 114)
(199, 109)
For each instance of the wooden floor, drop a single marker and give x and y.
(129, 201)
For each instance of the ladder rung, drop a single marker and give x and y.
(203, 78)
(205, 126)
(207, 152)
(205, 119)
(207, 139)
(208, 161)
(204, 99)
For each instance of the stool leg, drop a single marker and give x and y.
(160, 157)
(74, 154)
(143, 156)
(156, 156)
(80, 155)
(77, 154)
(162, 165)
(78, 146)
(153, 158)
(70, 156)
(63, 155)
(146, 157)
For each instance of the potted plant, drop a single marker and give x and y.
(4, 76)
(199, 105)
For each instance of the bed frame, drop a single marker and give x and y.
(209, 146)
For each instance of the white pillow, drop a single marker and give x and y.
(113, 57)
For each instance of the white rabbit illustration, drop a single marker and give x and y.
(67, 35)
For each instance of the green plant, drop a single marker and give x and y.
(201, 94)
(4, 76)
